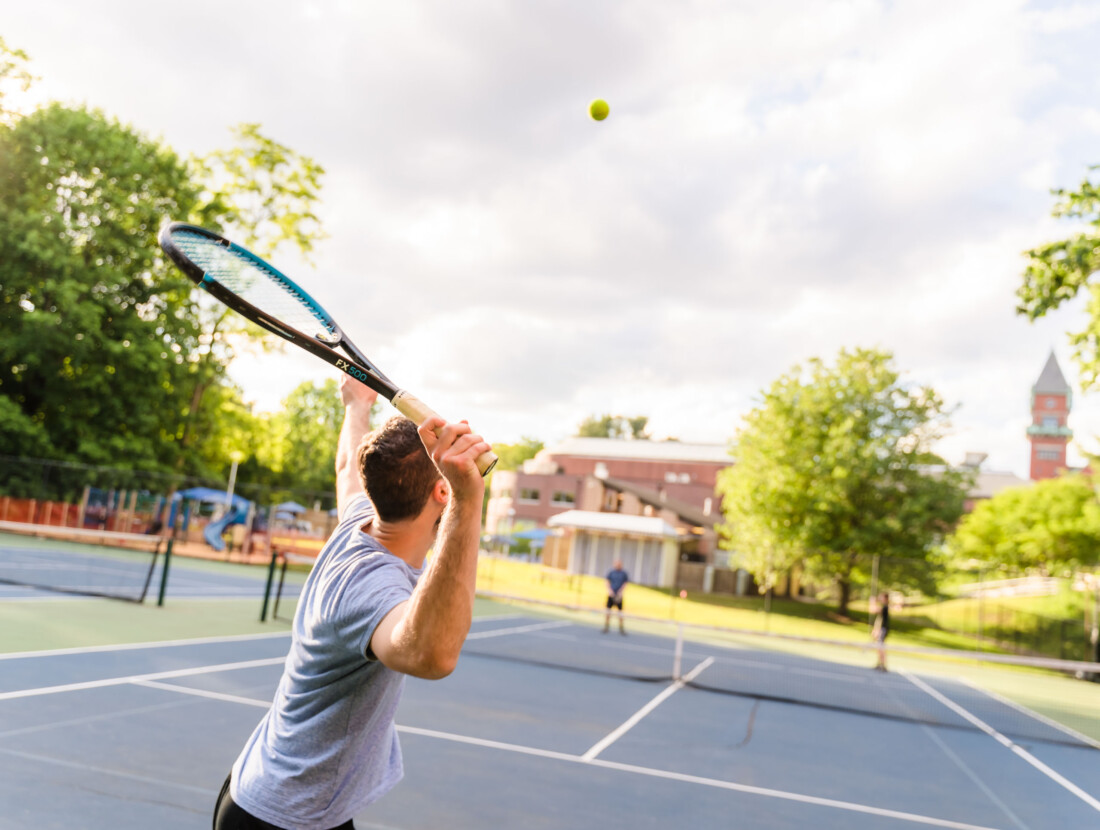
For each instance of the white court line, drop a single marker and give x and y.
(636, 718)
(974, 777)
(188, 690)
(1001, 739)
(1053, 724)
(519, 629)
(120, 681)
(234, 638)
(647, 771)
(695, 779)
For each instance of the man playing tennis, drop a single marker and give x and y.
(369, 614)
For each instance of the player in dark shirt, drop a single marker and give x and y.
(881, 629)
(616, 582)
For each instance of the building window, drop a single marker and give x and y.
(671, 478)
(1050, 422)
(563, 497)
(1049, 455)
(506, 493)
(529, 494)
(685, 478)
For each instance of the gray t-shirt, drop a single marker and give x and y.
(327, 747)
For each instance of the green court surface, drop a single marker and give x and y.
(35, 625)
(64, 622)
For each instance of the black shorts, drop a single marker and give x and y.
(615, 603)
(228, 815)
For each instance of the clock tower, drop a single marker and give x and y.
(1049, 434)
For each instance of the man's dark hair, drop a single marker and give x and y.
(396, 471)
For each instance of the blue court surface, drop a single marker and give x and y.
(141, 736)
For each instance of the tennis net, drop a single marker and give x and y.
(81, 561)
(1029, 700)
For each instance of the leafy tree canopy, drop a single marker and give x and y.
(1051, 526)
(832, 468)
(97, 329)
(107, 353)
(1059, 271)
(266, 191)
(13, 74)
(613, 426)
(512, 456)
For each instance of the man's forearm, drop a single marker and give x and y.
(441, 607)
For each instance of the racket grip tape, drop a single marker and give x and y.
(418, 412)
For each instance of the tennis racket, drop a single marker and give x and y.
(254, 289)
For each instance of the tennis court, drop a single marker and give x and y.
(142, 736)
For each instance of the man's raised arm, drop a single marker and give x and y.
(424, 635)
(358, 400)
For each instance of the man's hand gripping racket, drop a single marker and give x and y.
(259, 292)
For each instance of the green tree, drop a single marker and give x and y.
(1058, 271)
(1052, 526)
(293, 451)
(308, 428)
(832, 469)
(512, 456)
(13, 73)
(614, 426)
(96, 328)
(109, 353)
(267, 192)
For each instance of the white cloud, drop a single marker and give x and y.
(776, 181)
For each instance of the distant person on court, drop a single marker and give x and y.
(616, 582)
(881, 629)
(370, 613)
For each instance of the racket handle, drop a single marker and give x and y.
(418, 412)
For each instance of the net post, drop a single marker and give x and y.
(279, 590)
(164, 572)
(270, 580)
(678, 655)
(168, 557)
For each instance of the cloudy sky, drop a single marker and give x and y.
(776, 181)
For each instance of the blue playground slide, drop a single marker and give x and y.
(212, 533)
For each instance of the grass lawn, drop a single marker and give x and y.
(499, 575)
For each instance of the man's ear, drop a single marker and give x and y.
(441, 492)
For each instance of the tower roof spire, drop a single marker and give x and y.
(1051, 380)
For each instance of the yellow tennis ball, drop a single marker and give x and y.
(598, 109)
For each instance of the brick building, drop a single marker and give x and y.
(653, 503)
(650, 503)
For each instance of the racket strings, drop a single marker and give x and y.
(256, 283)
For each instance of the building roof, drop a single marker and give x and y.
(653, 527)
(641, 450)
(1051, 380)
(987, 484)
(646, 495)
